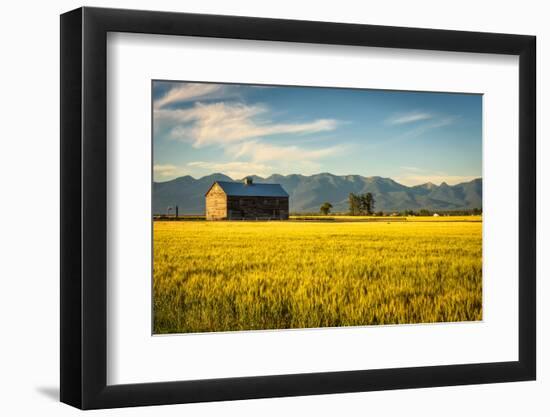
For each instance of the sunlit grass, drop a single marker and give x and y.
(225, 276)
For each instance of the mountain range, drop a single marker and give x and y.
(308, 193)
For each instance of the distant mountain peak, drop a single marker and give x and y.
(308, 192)
(218, 176)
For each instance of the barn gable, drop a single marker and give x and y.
(216, 203)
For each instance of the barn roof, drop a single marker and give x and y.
(252, 190)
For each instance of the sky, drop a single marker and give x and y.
(240, 130)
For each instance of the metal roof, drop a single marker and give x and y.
(252, 190)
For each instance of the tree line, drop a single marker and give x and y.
(359, 205)
(363, 204)
(424, 212)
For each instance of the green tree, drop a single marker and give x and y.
(369, 203)
(325, 208)
(354, 204)
(366, 203)
(361, 204)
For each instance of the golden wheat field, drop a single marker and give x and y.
(227, 276)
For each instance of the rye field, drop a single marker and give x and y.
(229, 276)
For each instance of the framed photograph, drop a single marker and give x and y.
(257, 208)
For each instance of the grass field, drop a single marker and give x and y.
(226, 276)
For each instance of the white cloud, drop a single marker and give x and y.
(163, 172)
(409, 118)
(423, 128)
(224, 123)
(434, 179)
(238, 131)
(236, 169)
(186, 92)
(258, 151)
(416, 176)
(265, 159)
(408, 168)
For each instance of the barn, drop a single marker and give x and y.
(226, 200)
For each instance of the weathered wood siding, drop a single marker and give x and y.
(257, 208)
(216, 204)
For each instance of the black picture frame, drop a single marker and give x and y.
(84, 207)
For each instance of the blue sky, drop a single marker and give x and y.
(239, 130)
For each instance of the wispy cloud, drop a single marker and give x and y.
(240, 169)
(417, 130)
(411, 117)
(416, 176)
(186, 92)
(408, 168)
(235, 170)
(262, 152)
(222, 123)
(163, 172)
(422, 128)
(434, 179)
(242, 134)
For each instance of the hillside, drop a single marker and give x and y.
(307, 193)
